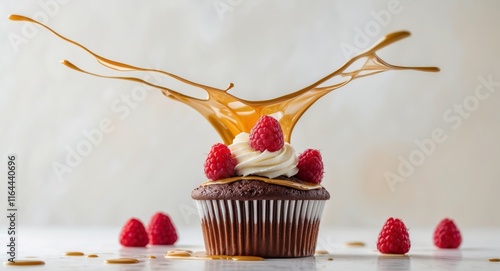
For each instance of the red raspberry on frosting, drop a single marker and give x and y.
(394, 237)
(447, 235)
(266, 135)
(219, 163)
(310, 166)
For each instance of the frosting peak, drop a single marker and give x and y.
(268, 164)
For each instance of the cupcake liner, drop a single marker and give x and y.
(266, 228)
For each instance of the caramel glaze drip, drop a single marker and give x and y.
(230, 115)
(296, 185)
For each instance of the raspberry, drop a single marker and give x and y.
(447, 235)
(266, 135)
(219, 163)
(310, 166)
(394, 237)
(134, 234)
(161, 230)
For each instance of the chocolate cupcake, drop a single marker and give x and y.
(261, 199)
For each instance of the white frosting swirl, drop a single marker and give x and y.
(267, 164)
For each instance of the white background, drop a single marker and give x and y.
(154, 156)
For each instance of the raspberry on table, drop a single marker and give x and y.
(133, 234)
(219, 163)
(394, 237)
(447, 235)
(161, 230)
(266, 135)
(310, 166)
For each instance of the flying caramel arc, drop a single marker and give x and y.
(230, 115)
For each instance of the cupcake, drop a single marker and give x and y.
(261, 199)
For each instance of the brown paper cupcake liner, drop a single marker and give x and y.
(266, 228)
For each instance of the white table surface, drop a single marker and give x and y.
(50, 244)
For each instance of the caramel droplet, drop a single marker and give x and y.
(201, 255)
(321, 252)
(494, 259)
(330, 259)
(179, 251)
(152, 257)
(74, 253)
(354, 244)
(247, 258)
(92, 256)
(218, 257)
(122, 261)
(179, 254)
(25, 262)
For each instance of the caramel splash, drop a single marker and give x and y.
(230, 115)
